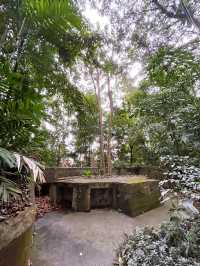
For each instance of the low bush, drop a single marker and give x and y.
(182, 176)
(174, 243)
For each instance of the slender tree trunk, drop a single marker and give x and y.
(131, 154)
(19, 45)
(58, 157)
(97, 88)
(109, 151)
(177, 146)
(101, 135)
(3, 37)
(89, 157)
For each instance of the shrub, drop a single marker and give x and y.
(174, 243)
(182, 177)
(87, 173)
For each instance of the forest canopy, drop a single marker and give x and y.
(123, 92)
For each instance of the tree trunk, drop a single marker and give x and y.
(109, 151)
(58, 157)
(3, 37)
(131, 154)
(97, 88)
(19, 45)
(102, 160)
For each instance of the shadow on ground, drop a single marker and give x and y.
(85, 239)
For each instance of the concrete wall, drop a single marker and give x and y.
(131, 198)
(52, 173)
(134, 199)
(16, 238)
(149, 171)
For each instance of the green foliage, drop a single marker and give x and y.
(165, 109)
(85, 128)
(47, 38)
(168, 120)
(172, 67)
(63, 14)
(87, 173)
(21, 108)
(129, 132)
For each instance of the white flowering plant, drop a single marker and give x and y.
(182, 177)
(174, 243)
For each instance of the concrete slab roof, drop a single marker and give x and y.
(127, 179)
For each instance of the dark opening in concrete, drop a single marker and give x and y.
(65, 194)
(101, 197)
(42, 190)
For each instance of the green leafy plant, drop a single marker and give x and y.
(47, 38)
(87, 173)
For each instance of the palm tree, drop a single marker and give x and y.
(40, 39)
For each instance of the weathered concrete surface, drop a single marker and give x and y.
(86, 239)
(133, 194)
(52, 173)
(16, 238)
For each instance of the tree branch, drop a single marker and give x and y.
(168, 13)
(184, 16)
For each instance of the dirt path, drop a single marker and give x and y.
(85, 239)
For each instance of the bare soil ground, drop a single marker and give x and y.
(85, 239)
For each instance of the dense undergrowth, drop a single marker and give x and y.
(174, 243)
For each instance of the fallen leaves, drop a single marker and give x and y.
(44, 206)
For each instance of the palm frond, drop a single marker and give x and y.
(61, 14)
(8, 189)
(10, 160)
(15, 160)
(7, 159)
(34, 167)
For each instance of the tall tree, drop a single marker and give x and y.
(110, 126)
(40, 41)
(96, 75)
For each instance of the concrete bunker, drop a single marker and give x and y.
(132, 194)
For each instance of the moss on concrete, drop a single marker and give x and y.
(136, 180)
(136, 198)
